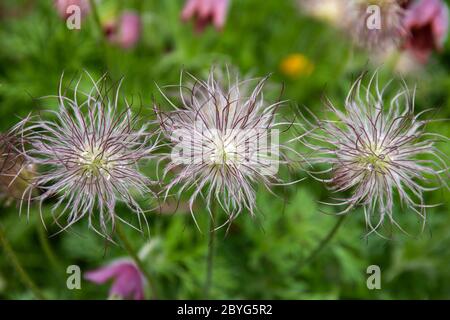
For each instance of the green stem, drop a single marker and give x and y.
(96, 16)
(210, 256)
(99, 26)
(325, 241)
(129, 248)
(23, 275)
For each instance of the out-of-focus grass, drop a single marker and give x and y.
(261, 256)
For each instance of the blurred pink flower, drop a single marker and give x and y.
(63, 5)
(128, 281)
(426, 22)
(127, 32)
(205, 12)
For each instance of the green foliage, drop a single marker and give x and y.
(259, 257)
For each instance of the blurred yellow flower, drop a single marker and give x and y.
(331, 11)
(296, 65)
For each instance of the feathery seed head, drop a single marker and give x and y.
(223, 138)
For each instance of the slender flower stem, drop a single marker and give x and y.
(23, 275)
(99, 26)
(324, 242)
(129, 248)
(210, 256)
(93, 6)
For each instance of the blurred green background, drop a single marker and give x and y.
(260, 258)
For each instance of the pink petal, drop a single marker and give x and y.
(440, 26)
(421, 12)
(205, 8)
(129, 283)
(130, 29)
(103, 274)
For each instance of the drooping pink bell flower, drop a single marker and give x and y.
(62, 7)
(126, 32)
(205, 12)
(128, 281)
(426, 22)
